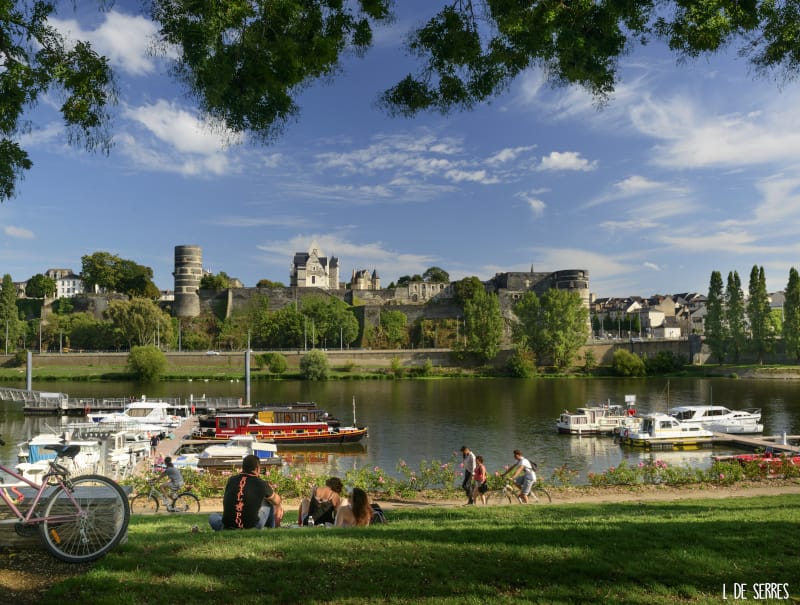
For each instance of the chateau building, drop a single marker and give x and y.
(67, 283)
(363, 280)
(313, 269)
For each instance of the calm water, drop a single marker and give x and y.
(429, 420)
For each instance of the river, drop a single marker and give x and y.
(416, 420)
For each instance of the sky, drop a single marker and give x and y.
(690, 167)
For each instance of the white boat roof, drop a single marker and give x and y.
(695, 408)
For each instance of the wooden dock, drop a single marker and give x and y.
(774, 443)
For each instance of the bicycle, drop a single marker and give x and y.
(150, 502)
(510, 493)
(81, 519)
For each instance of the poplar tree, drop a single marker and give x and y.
(759, 314)
(791, 315)
(734, 315)
(10, 324)
(716, 330)
(483, 324)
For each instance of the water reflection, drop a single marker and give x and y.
(430, 420)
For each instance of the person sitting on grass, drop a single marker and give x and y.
(523, 476)
(357, 513)
(249, 502)
(322, 504)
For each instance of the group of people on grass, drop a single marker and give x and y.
(249, 502)
(475, 479)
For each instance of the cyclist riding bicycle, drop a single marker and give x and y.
(524, 475)
(170, 480)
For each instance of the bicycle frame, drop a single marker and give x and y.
(28, 517)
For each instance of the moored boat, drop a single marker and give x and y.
(720, 419)
(144, 411)
(663, 431)
(287, 425)
(597, 420)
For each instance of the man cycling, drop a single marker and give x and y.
(170, 480)
(524, 475)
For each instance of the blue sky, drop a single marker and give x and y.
(689, 168)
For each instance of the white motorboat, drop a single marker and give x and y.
(229, 455)
(34, 456)
(144, 412)
(597, 420)
(720, 419)
(664, 431)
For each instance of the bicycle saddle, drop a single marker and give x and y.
(64, 451)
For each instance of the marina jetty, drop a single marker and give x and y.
(42, 403)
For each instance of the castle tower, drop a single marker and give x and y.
(187, 274)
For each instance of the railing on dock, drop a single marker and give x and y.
(40, 402)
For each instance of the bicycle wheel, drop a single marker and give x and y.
(186, 502)
(85, 519)
(540, 495)
(144, 503)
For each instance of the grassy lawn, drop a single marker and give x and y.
(638, 553)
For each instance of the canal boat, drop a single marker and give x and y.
(289, 425)
(597, 420)
(720, 419)
(662, 431)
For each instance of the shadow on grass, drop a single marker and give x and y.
(627, 553)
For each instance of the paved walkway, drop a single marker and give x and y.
(167, 447)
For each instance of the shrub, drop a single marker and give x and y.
(628, 364)
(522, 364)
(314, 365)
(278, 363)
(147, 362)
(397, 368)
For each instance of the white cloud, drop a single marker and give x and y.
(124, 39)
(18, 232)
(473, 176)
(536, 206)
(652, 266)
(180, 129)
(508, 154)
(568, 160)
(636, 184)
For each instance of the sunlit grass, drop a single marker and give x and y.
(659, 552)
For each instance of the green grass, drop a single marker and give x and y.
(637, 553)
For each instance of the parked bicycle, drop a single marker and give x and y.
(79, 519)
(510, 493)
(151, 501)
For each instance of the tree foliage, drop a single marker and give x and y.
(314, 365)
(555, 325)
(36, 60)
(139, 321)
(626, 363)
(40, 286)
(217, 283)
(791, 315)
(734, 306)
(716, 331)
(330, 321)
(10, 324)
(147, 362)
(246, 61)
(114, 274)
(483, 325)
(436, 274)
(393, 328)
(470, 51)
(759, 314)
(466, 288)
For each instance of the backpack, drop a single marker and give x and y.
(377, 514)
